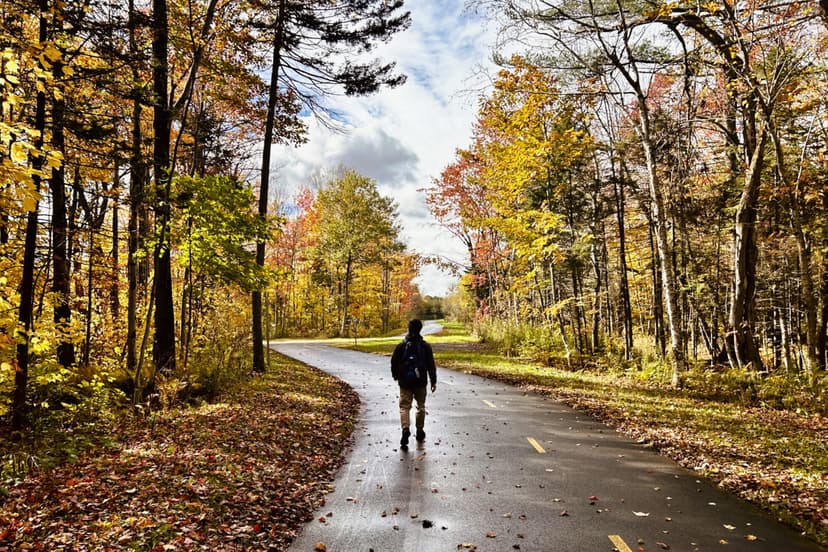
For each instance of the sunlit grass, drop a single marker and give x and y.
(453, 333)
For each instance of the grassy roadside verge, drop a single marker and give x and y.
(775, 458)
(239, 473)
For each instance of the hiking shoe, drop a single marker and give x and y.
(420, 435)
(405, 435)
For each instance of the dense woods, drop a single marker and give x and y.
(646, 183)
(136, 215)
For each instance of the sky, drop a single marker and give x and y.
(404, 137)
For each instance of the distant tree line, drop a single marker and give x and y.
(341, 267)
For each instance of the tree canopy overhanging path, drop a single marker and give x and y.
(501, 469)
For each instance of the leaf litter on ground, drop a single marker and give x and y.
(241, 473)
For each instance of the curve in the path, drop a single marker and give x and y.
(504, 470)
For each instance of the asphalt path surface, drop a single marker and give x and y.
(504, 470)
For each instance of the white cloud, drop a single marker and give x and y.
(404, 137)
(370, 150)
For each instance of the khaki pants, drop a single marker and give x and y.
(406, 398)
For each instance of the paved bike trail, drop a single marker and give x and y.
(504, 470)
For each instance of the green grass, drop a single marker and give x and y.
(453, 333)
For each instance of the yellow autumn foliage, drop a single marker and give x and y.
(532, 138)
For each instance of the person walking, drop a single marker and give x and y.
(412, 366)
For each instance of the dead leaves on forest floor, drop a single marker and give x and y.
(240, 474)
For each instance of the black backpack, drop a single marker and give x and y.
(412, 364)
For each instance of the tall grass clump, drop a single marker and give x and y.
(533, 343)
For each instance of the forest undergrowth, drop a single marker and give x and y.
(241, 472)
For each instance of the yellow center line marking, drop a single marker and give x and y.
(537, 445)
(489, 403)
(619, 543)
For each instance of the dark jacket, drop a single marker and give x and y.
(428, 359)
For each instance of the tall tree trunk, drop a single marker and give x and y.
(89, 293)
(822, 329)
(775, 316)
(623, 282)
(680, 259)
(264, 185)
(163, 350)
(114, 289)
(185, 315)
(268, 325)
(24, 313)
(658, 291)
(61, 277)
(24, 317)
(137, 178)
(610, 314)
(660, 216)
(186, 306)
(785, 325)
(578, 321)
(745, 252)
(665, 253)
(734, 168)
(595, 342)
(595, 256)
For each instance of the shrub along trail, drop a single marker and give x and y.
(241, 473)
